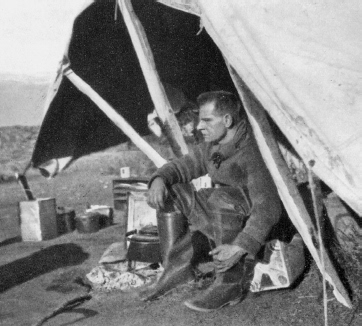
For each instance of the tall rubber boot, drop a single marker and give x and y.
(229, 288)
(177, 252)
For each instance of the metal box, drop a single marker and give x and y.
(38, 219)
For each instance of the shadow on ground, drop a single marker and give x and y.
(10, 241)
(87, 313)
(39, 263)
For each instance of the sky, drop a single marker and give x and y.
(34, 34)
(33, 37)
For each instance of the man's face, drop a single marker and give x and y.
(211, 125)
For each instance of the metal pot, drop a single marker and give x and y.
(144, 246)
(88, 223)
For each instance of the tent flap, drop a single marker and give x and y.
(303, 61)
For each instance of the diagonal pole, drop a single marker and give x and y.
(112, 114)
(155, 87)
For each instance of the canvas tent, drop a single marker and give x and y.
(302, 63)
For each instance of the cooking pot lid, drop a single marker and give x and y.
(149, 230)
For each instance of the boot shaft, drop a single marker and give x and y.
(172, 226)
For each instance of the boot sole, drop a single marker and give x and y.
(196, 308)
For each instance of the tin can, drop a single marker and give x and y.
(65, 220)
(88, 223)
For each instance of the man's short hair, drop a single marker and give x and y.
(225, 102)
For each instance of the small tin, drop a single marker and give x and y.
(88, 223)
(65, 220)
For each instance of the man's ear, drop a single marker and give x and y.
(228, 120)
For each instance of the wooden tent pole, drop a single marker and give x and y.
(190, 6)
(286, 187)
(155, 87)
(117, 119)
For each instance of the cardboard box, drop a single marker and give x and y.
(38, 219)
(139, 213)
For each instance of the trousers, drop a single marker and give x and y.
(218, 213)
(214, 217)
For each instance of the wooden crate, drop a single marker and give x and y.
(38, 219)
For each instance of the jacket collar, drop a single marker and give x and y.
(240, 139)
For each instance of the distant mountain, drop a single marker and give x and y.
(22, 100)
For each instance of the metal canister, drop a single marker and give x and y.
(88, 223)
(65, 220)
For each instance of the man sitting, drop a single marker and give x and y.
(236, 215)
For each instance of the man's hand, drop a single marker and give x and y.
(157, 194)
(226, 256)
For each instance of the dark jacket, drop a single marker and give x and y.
(242, 167)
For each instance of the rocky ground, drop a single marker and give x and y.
(37, 278)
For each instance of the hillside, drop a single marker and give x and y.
(22, 101)
(16, 147)
(17, 144)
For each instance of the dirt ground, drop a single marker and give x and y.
(36, 278)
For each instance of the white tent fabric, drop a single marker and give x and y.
(63, 41)
(303, 61)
